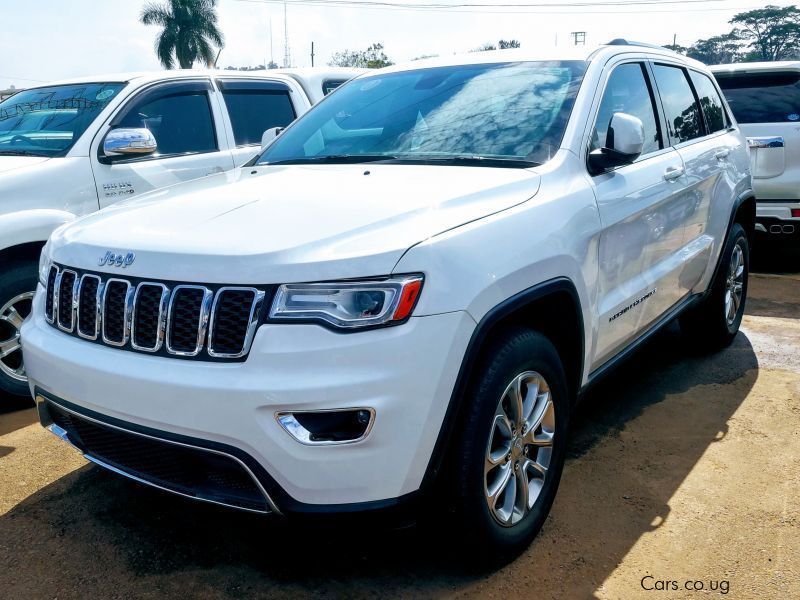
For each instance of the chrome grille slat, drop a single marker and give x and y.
(90, 293)
(49, 305)
(203, 309)
(149, 330)
(250, 324)
(113, 301)
(65, 304)
(178, 320)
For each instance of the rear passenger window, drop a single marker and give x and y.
(763, 97)
(680, 106)
(710, 102)
(181, 123)
(255, 107)
(627, 91)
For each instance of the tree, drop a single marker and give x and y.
(502, 44)
(506, 44)
(726, 48)
(676, 48)
(772, 32)
(189, 29)
(372, 58)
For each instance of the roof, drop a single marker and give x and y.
(584, 53)
(778, 65)
(148, 76)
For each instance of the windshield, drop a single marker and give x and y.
(508, 114)
(48, 121)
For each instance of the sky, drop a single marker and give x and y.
(46, 40)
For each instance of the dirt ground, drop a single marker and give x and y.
(683, 468)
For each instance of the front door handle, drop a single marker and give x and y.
(722, 154)
(673, 173)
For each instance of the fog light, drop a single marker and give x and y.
(327, 427)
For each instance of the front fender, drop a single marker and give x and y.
(26, 226)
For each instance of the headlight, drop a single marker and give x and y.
(44, 265)
(348, 304)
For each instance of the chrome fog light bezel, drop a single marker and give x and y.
(286, 419)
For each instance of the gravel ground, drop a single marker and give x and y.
(681, 468)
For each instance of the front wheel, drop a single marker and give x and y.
(713, 324)
(512, 448)
(17, 285)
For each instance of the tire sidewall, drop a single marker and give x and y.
(20, 277)
(737, 236)
(528, 351)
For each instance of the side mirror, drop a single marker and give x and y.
(269, 136)
(624, 143)
(127, 142)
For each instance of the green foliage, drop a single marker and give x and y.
(719, 49)
(188, 31)
(372, 58)
(502, 45)
(772, 32)
(506, 44)
(769, 33)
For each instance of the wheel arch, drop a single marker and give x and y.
(553, 308)
(23, 233)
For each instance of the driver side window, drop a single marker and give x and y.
(627, 91)
(181, 122)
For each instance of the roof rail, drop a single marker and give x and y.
(624, 42)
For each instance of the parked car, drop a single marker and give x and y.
(765, 98)
(400, 300)
(73, 147)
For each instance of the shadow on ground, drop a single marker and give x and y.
(93, 533)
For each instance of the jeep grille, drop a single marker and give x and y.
(182, 320)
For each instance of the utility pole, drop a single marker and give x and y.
(312, 54)
(286, 59)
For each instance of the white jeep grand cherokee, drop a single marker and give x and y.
(410, 286)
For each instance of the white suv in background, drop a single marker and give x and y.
(72, 147)
(765, 98)
(406, 292)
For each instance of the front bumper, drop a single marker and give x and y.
(405, 373)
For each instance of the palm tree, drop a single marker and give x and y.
(189, 28)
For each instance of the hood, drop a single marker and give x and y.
(290, 223)
(9, 163)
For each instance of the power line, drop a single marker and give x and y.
(528, 8)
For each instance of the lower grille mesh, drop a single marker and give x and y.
(186, 470)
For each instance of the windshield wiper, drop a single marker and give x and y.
(20, 153)
(474, 161)
(332, 159)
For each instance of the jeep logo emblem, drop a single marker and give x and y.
(117, 259)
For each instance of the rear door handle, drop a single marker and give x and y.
(722, 154)
(673, 173)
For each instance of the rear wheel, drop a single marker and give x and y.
(17, 286)
(511, 452)
(715, 323)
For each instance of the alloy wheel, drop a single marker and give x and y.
(519, 449)
(734, 284)
(12, 314)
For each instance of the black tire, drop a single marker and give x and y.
(489, 543)
(19, 278)
(707, 326)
